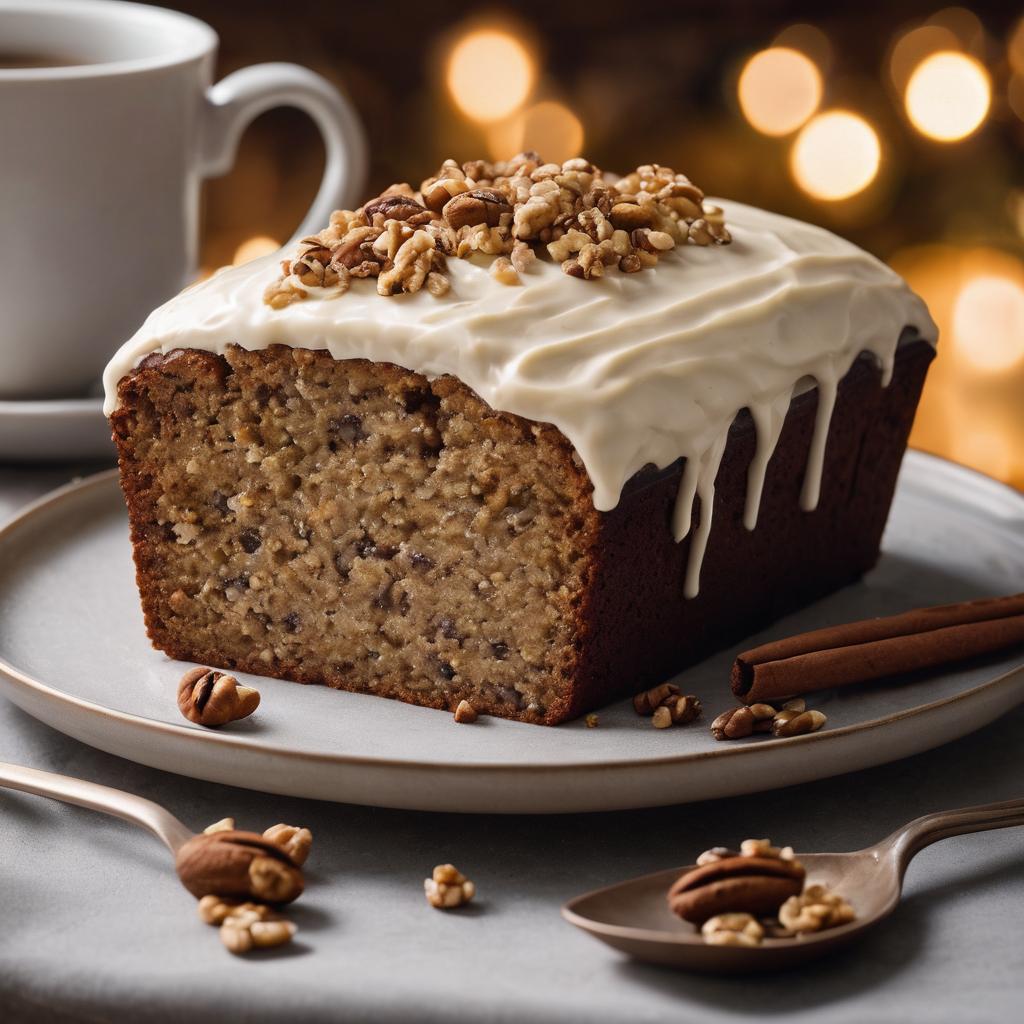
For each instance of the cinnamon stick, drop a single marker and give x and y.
(878, 648)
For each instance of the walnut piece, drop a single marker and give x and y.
(465, 712)
(296, 842)
(513, 210)
(815, 909)
(732, 930)
(646, 702)
(211, 698)
(448, 887)
(251, 926)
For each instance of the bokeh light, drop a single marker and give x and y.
(490, 74)
(969, 412)
(916, 45)
(965, 25)
(808, 39)
(1015, 48)
(779, 89)
(1015, 95)
(253, 248)
(948, 96)
(988, 323)
(549, 127)
(988, 447)
(836, 155)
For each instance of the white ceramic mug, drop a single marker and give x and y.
(101, 162)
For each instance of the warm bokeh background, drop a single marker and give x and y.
(899, 125)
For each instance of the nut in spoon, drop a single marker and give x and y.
(634, 918)
(229, 863)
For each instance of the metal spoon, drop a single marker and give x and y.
(634, 917)
(225, 874)
(136, 809)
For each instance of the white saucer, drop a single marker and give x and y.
(55, 429)
(73, 653)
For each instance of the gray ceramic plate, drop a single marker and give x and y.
(73, 654)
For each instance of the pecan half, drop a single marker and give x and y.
(752, 885)
(393, 208)
(236, 864)
(477, 206)
(211, 698)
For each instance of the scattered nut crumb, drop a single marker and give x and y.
(646, 702)
(715, 854)
(732, 930)
(734, 724)
(790, 720)
(662, 718)
(465, 712)
(216, 909)
(295, 841)
(684, 709)
(802, 722)
(815, 909)
(242, 932)
(504, 272)
(592, 721)
(448, 888)
(764, 848)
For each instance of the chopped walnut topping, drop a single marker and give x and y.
(514, 210)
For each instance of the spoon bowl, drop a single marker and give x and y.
(633, 916)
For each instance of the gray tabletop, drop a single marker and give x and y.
(96, 927)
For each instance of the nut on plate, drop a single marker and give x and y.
(792, 719)
(240, 865)
(465, 712)
(752, 885)
(648, 701)
(801, 723)
(211, 698)
(448, 887)
(684, 709)
(734, 724)
(662, 718)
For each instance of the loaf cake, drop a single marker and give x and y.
(528, 436)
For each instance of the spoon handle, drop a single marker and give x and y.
(135, 809)
(905, 842)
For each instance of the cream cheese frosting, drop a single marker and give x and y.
(634, 369)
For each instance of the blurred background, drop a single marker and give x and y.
(899, 125)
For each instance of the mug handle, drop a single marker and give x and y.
(235, 101)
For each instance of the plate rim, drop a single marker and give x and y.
(76, 487)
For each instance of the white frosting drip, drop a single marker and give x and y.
(634, 369)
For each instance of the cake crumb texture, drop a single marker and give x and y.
(352, 523)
